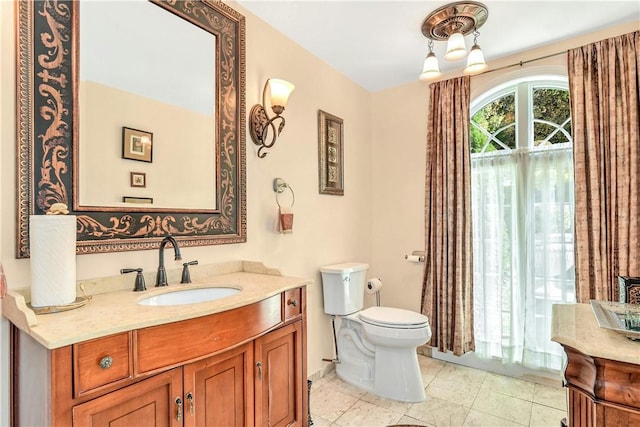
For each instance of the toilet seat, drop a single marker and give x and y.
(395, 318)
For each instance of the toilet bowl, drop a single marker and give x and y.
(376, 347)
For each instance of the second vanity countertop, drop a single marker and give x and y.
(576, 326)
(118, 311)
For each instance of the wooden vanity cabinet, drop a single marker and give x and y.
(100, 362)
(279, 382)
(601, 392)
(219, 390)
(241, 367)
(148, 402)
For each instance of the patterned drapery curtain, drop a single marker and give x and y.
(605, 104)
(447, 292)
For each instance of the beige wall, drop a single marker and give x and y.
(182, 168)
(327, 229)
(378, 220)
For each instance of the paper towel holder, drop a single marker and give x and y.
(79, 302)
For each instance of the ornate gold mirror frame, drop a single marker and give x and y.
(47, 133)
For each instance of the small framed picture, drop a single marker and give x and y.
(143, 200)
(138, 179)
(330, 154)
(137, 145)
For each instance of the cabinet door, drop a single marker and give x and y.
(151, 402)
(278, 377)
(218, 391)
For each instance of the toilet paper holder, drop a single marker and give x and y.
(373, 286)
(416, 256)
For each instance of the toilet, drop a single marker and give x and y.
(376, 347)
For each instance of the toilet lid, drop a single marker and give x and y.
(393, 317)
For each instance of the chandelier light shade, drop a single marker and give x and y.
(475, 60)
(451, 23)
(456, 48)
(430, 68)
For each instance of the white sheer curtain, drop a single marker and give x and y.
(523, 211)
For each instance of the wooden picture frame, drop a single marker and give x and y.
(330, 153)
(48, 145)
(629, 289)
(138, 179)
(137, 145)
(132, 199)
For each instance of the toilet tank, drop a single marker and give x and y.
(343, 287)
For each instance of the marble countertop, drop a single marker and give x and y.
(113, 306)
(575, 325)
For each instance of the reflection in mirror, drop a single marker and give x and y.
(138, 70)
(50, 144)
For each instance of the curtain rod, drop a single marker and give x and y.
(521, 63)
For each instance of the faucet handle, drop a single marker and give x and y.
(140, 285)
(186, 277)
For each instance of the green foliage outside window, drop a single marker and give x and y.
(551, 113)
(493, 127)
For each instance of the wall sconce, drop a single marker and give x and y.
(259, 120)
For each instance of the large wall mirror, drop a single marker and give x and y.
(132, 114)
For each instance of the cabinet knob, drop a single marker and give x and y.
(293, 302)
(106, 362)
(259, 366)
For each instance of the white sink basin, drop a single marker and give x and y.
(188, 296)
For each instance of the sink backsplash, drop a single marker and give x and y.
(198, 272)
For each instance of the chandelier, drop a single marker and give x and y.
(452, 23)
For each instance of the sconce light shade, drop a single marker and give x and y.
(280, 91)
(456, 47)
(259, 120)
(475, 61)
(430, 68)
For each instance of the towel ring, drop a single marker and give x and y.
(279, 186)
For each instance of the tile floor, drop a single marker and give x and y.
(456, 396)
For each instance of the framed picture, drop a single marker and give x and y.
(137, 145)
(144, 200)
(629, 288)
(138, 179)
(330, 154)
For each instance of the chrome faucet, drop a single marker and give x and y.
(161, 277)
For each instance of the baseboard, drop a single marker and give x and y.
(425, 350)
(540, 376)
(321, 373)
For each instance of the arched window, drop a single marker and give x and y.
(525, 115)
(523, 209)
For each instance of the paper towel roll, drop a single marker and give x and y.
(374, 285)
(52, 240)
